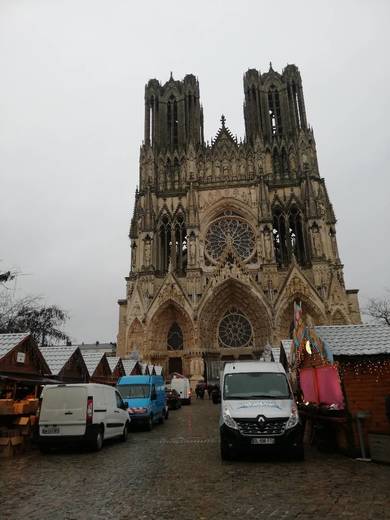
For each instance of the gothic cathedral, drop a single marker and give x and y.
(226, 235)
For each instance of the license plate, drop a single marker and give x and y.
(263, 440)
(50, 430)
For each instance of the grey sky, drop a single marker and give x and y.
(71, 121)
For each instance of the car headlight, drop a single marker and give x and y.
(228, 420)
(293, 419)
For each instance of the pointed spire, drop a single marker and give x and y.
(134, 221)
(148, 211)
(223, 121)
(270, 67)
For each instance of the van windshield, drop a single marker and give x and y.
(256, 385)
(134, 391)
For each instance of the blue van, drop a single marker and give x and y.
(145, 396)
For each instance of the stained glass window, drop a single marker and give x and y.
(175, 338)
(233, 231)
(234, 330)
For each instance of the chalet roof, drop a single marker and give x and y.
(113, 361)
(10, 341)
(158, 370)
(97, 347)
(92, 359)
(144, 367)
(150, 368)
(356, 340)
(128, 365)
(56, 356)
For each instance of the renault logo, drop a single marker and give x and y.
(261, 421)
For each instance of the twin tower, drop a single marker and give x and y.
(174, 114)
(226, 235)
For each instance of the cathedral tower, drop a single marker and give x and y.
(226, 235)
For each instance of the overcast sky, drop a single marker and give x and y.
(71, 123)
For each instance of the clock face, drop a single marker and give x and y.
(230, 231)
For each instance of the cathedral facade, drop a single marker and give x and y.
(226, 235)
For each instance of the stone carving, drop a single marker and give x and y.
(147, 252)
(267, 245)
(192, 251)
(316, 241)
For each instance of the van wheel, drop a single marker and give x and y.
(44, 449)
(97, 443)
(297, 453)
(149, 424)
(226, 451)
(162, 418)
(125, 433)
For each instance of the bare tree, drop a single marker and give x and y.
(379, 309)
(29, 315)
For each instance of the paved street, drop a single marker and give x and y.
(175, 472)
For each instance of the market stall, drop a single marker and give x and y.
(316, 380)
(23, 372)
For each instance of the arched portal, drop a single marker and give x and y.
(135, 337)
(171, 336)
(234, 321)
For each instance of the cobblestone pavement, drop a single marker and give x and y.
(175, 472)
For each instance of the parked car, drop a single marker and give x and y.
(145, 397)
(173, 399)
(81, 413)
(183, 388)
(258, 410)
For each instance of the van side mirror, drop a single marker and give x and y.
(125, 405)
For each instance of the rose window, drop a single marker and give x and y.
(230, 231)
(234, 330)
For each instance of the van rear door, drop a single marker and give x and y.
(63, 411)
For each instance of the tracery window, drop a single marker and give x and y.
(296, 235)
(181, 244)
(274, 111)
(165, 244)
(288, 236)
(234, 330)
(279, 234)
(175, 337)
(172, 121)
(231, 231)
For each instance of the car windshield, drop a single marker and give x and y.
(256, 385)
(134, 391)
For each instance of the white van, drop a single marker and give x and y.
(183, 388)
(84, 413)
(258, 410)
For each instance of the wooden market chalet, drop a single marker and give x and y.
(25, 368)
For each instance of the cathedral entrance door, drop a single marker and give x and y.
(175, 365)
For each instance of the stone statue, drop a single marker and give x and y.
(147, 253)
(267, 245)
(316, 240)
(192, 251)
